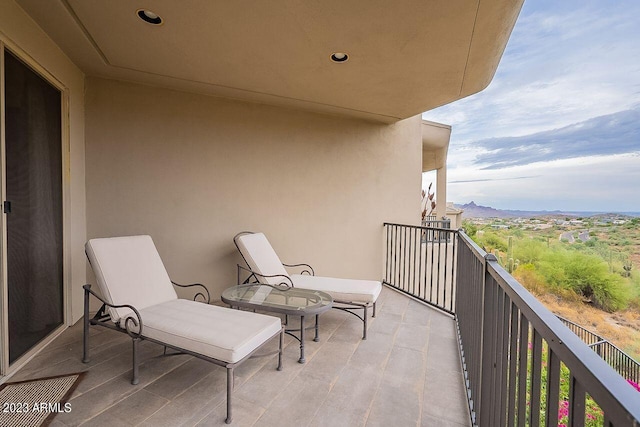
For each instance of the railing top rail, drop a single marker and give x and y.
(422, 227)
(477, 250)
(602, 382)
(599, 343)
(580, 327)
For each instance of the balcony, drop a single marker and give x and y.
(191, 148)
(456, 342)
(407, 372)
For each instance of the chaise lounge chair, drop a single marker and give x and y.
(138, 299)
(264, 266)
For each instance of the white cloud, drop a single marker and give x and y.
(566, 62)
(597, 183)
(616, 133)
(560, 67)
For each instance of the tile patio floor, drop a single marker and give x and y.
(406, 373)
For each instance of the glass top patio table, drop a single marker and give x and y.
(290, 301)
(287, 301)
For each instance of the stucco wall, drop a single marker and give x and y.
(28, 41)
(192, 171)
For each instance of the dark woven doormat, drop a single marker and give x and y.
(35, 402)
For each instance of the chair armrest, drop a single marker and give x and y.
(286, 280)
(207, 298)
(137, 320)
(308, 270)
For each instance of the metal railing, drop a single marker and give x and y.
(624, 364)
(522, 365)
(432, 221)
(421, 261)
(431, 224)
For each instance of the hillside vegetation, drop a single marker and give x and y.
(587, 270)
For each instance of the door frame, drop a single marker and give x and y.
(7, 370)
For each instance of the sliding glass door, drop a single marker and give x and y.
(32, 207)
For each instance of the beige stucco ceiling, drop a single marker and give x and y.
(405, 57)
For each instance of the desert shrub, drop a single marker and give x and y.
(470, 229)
(551, 266)
(529, 251)
(491, 241)
(586, 275)
(634, 291)
(527, 275)
(518, 233)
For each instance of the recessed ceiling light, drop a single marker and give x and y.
(149, 16)
(339, 57)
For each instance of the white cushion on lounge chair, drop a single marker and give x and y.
(134, 271)
(342, 290)
(217, 332)
(261, 257)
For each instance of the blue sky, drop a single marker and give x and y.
(559, 125)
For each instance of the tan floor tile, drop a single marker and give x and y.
(407, 372)
(131, 411)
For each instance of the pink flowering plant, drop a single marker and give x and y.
(594, 416)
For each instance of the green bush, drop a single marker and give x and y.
(634, 297)
(528, 276)
(491, 241)
(470, 229)
(517, 233)
(587, 275)
(529, 251)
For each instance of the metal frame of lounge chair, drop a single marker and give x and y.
(346, 306)
(133, 326)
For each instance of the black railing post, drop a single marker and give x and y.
(487, 344)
